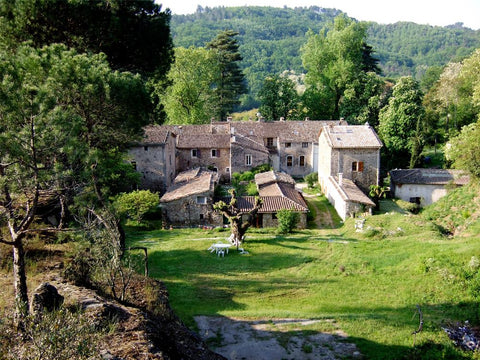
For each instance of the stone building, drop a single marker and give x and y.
(424, 186)
(189, 200)
(348, 163)
(154, 158)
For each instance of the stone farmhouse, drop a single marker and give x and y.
(226, 147)
(348, 163)
(347, 158)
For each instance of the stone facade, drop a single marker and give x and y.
(154, 158)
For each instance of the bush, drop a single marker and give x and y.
(311, 179)
(252, 189)
(408, 206)
(287, 220)
(136, 204)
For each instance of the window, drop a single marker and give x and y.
(215, 153)
(289, 160)
(301, 160)
(194, 153)
(304, 145)
(134, 165)
(269, 142)
(248, 159)
(227, 170)
(201, 199)
(202, 216)
(145, 148)
(357, 166)
(287, 145)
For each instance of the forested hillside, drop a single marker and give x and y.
(270, 39)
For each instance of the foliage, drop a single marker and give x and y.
(95, 26)
(414, 208)
(191, 97)
(335, 58)
(311, 179)
(136, 204)
(400, 123)
(63, 334)
(231, 80)
(464, 150)
(279, 98)
(287, 220)
(270, 39)
(252, 189)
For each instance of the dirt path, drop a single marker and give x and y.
(323, 218)
(277, 339)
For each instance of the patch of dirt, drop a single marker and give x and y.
(238, 339)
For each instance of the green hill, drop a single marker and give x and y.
(270, 39)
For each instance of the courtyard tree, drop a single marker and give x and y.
(231, 80)
(235, 216)
(63, 122)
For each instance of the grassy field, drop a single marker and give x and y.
(368, 283)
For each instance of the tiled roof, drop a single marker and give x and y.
(428, 176)
(219, 141)
(189, 183)
(351, 136)
(287, 131)
(273, 176)
(253, 143)
(154, 134)
(270, 204)
(351, 192)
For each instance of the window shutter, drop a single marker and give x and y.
(218, 152)
(198, 153)
(360, 166)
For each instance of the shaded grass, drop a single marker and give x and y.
(370, 285)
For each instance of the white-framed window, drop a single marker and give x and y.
(269, 142)
(304, 145)
(301, 160)
(227, 170)
(289, 160)
(194, 153)
(215, 153)
(248, 159)
(357, 166)
(201, 199)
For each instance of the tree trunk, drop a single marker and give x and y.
(19, 282)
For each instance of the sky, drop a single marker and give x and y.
(429, 12)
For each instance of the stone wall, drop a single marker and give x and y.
(156, 164)
(204, 159)
(187, 212)
(238, 158)
(295, 150)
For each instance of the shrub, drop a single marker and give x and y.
(136, 204)
(252, 189)
(287, 220)
(408, 206)
(311, 179)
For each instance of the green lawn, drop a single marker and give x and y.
(369, 283)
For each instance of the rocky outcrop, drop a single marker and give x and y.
(144, 329)
(45, 297)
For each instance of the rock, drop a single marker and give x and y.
(45, 297)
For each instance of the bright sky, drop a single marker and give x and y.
(431, 12)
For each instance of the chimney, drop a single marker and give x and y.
(307, 119)
(340, 179)
(282, 119)
(229, 118)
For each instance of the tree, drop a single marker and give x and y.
(135, 34)
(231, 83)
(464, 150)
(63, 122)
(278, 98)
(235, 216)
(335, 57)
(400, 123)
(136, 204)
(191, 97)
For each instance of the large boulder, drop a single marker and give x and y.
(45, 297)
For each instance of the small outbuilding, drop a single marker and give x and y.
(424, 186)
